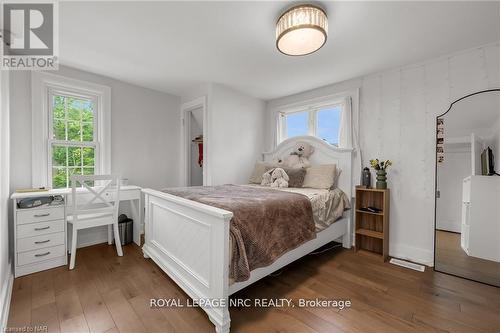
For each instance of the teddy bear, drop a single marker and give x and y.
(299, 156)
(279, 178)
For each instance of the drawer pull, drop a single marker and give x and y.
(42, 254)
(41, 215)
(44, 228)
(42, 242)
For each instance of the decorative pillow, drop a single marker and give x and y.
(296, 176)
(259, 169)
(320, 176)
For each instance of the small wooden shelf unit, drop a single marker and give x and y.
(372, 229)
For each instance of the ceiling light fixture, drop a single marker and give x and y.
(301, 30)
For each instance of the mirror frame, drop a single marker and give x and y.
(435, 182)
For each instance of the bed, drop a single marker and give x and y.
(191, 240)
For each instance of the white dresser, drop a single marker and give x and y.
(480, 234)
(39, 237)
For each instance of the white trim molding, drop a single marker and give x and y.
(5, 297)
(311, 104)
(200, 102)
(412, 253)
(41, 85)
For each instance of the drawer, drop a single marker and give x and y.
(35, 256)
(40, 242)
(40, 228)
(39, 215)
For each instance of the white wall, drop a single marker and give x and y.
(236, 132)
(397, 121)
(451, 173)
(6, 276)
(145, 132)
(236, 123)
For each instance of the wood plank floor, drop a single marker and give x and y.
(106, 293)
(450, 258)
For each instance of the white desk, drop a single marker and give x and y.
(40, 240)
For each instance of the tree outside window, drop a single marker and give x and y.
(73, 143)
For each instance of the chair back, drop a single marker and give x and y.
(101, 194)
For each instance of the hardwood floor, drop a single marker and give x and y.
(106, 293)
(450, 258)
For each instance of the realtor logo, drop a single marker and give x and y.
(29, 35)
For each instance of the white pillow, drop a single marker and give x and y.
(321, 176)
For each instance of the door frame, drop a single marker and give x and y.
(186, 109)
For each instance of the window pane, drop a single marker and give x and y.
(88, 171)
(59, 177)
(59, 156)
(74, 131)
(328, 124)
(88, 157)
(58, 107)
(297, 124)
(74, 109)
(75, 156)
(73, 171)
(87, 132)
(59, 129)
(73, 119)
(87, 111)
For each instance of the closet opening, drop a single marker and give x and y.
(195, 143)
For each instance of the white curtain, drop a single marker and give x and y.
(348, 137)
(345, 129)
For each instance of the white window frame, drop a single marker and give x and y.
(312, 118)
(45, 85)
(312, 107)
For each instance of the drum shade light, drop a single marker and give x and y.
(301, 30)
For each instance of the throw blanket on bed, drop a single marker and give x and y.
(266, 223)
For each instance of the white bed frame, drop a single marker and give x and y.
(190, 240)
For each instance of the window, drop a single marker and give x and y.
(73, 137)
(71, 129)
(323, 122)
(297, 124)
(328, 124)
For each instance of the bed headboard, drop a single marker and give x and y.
(324, 153)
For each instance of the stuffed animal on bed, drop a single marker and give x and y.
(279, 178)
(299, 156)
(267, 178)
(276, 177)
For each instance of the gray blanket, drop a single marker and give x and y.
(266, 223)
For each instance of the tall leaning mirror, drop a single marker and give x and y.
(467, 221)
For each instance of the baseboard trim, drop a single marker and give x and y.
(452, 226)
(410, 253)
(6, 295)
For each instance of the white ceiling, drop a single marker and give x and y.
(172, 46)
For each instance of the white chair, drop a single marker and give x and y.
(95, 207)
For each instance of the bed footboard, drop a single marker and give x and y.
(190, 242)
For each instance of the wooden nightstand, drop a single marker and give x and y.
(372, 228)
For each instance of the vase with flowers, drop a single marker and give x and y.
(381, 167)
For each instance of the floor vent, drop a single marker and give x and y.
(407, 264)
